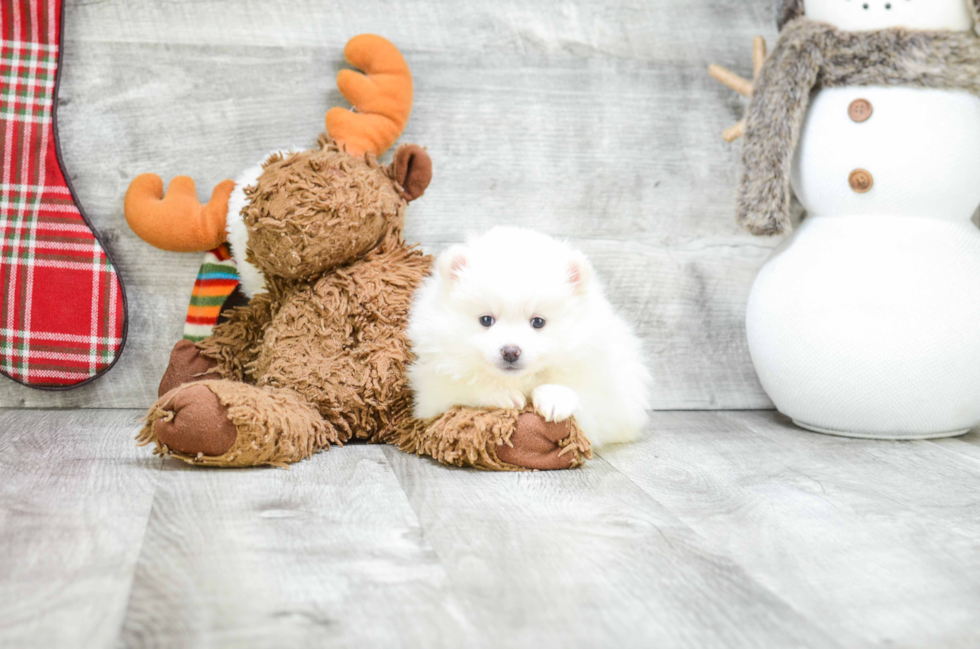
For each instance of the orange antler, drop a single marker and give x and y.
(382, 98)
(177, 221)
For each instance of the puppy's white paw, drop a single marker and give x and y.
(555, 402)
(508, 399)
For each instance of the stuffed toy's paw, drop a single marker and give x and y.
(232, 424)
(196, 422)
(555, 402)
(187, 364)
(538, 444)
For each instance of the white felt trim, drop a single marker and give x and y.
(252, 280)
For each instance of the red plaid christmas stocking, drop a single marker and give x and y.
(63, 311)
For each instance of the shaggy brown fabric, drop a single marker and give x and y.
(493, 440)
(186, 364)
(460, 436)
(314, 210)
(341, 343)
(272, 427)
(809, 55)
(235, 342)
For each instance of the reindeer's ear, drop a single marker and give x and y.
(412, 169)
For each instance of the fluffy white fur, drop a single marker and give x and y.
(585, 361)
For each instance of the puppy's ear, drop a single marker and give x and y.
(451, 263)
(579, 272)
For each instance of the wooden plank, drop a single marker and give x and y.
(328, 552)
(589, 119)
(647, 29)
(720, 529)
(586, 559)
(878, 540)
(75, 494)
(966, 446)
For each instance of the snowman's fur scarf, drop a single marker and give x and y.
(812, 55)
(787, 10)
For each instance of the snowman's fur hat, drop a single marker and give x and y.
(810, 55)
(787, 10)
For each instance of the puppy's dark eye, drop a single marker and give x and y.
(537, 323)
(487, 320)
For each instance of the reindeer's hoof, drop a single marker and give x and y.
(187, 364)
(535, 444)
(199, 425)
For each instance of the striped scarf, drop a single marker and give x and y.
(216, 281)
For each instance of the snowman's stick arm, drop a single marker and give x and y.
(740, 84)
(734, 132)
(758, 55)
(726, 77)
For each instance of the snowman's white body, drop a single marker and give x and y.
(866, 321)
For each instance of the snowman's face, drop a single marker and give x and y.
(865, 15)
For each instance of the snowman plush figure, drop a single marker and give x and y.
(866, 319)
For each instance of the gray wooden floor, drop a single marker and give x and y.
(719, 530)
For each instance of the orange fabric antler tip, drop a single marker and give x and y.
(177, 221)
(381, 96)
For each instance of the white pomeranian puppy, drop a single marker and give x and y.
(514, 316)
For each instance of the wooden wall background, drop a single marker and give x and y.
(590, 119)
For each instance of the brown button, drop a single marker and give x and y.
(860, 110)
(861, 181)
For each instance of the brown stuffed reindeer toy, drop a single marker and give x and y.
(318, 354)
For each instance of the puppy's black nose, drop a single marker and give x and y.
(510, 353)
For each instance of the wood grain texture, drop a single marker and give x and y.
(878, 540)
(586, 558)
(75, 494)
(329, 550)
(588, 119)
(717, 530)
